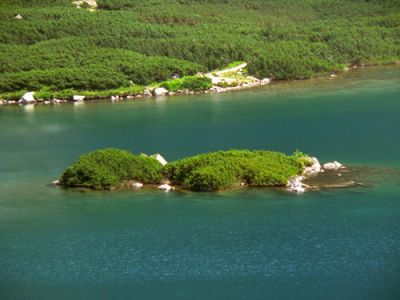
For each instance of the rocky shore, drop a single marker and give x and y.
(226, 80)
(327, 176)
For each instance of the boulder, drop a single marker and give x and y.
(148, 92)
(160, 91)
(56, 101)
(18, 17)
(296, 189)
(114, 98)
(160, 159)
(296, 185)
(265, 81)
(78, 98)
(314, 168)
(11, 102)
(333, 166)
(56, 182)
(27, 98)
(137, 185)
(166, 187)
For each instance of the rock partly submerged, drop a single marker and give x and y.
(296, 185)
(333, 166)
(166, 187)
(27, 98)
(78, 98)
(137, 185)
(315, 170)
(160, 92)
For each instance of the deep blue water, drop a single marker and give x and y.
(251, 244)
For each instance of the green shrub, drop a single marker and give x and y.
(225, 84)
(107, 168)
(132, 41)
(224, 169)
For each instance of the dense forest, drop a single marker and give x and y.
(56, 46)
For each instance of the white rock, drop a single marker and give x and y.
(56, 101)
(56, 182)
(265, 81)
(297, 189)
(137, 185)
(46, 102)
(296, 185)
(11, 102)
(18, 17)
(160, 159)
(166, 187)
(78, 98)
(314, 168)
(333, 166)
(27, 98)
(114, 98)
(148, 92)
(160, 91)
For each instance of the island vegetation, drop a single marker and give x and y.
(120, 46)
(113, 168)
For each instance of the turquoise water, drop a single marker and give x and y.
(251, 244)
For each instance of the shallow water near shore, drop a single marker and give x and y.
(245, 244)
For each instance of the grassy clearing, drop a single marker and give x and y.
(192, 83)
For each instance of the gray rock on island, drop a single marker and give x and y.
(296, 185)
(315, 168)
(333, 166)
(160, 159)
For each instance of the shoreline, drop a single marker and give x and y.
(150, 92)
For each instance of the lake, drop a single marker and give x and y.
(247, 244)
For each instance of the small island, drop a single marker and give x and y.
(109, 169)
